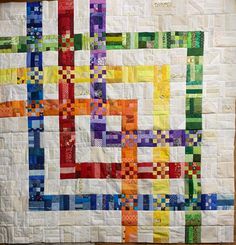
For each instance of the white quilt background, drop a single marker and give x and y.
(217, 19)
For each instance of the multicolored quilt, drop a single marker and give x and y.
(117, 121)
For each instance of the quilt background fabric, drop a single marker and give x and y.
(117, 121)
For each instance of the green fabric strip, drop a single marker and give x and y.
(142, 40)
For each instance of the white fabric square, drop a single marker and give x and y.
(145, 122)
(82, 90)
(145, 218)
(113, 123)
(145, 154)
(9, 60)
(177, 154)
(177, 234)
(177, 186)
(13, 92)
(209, 234)
(50, 58)
(177, 218)
(50, 91)
(145, 186)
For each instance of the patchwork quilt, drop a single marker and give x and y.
(117, 121)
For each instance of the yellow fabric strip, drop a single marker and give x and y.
(161, 218)
(8, 76)
(161, 98)
(114, 39)
(115, 74)
(161, 155)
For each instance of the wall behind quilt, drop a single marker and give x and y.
(117, 121)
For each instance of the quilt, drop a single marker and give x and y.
(117, 121)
